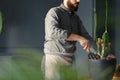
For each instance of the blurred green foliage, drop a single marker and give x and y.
(71, 73)
(24, 65)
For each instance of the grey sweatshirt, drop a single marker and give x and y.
(59, 24)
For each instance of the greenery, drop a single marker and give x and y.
(24, 65)
(70, 73)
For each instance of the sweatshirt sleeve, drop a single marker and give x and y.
(52, 26)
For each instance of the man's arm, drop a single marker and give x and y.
(83, 41)
(52, 26)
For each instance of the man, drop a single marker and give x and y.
(63, 28)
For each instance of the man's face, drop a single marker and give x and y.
(73, 4)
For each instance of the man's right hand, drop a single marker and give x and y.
(85, 43)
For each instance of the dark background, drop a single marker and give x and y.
(24, 25)
(24, 22)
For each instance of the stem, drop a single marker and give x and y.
(106, 21)
(95, 25)
(95, 19)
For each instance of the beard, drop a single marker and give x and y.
(73, 7)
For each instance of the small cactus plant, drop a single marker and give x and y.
(103, 45)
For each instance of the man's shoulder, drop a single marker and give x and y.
(54, 8)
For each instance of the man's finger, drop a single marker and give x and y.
(87, 48)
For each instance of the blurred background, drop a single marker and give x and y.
(22, 36)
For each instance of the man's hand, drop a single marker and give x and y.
(85, 43)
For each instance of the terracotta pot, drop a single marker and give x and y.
(102, 69)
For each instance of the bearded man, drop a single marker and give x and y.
(63, 28)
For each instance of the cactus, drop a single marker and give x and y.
(99, 47)
(106, 48)
(103, 45)
(105, 38)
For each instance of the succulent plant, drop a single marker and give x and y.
(103, 45)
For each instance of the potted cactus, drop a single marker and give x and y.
(104, 67)
(104, 45)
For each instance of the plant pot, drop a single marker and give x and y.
(102, 69)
